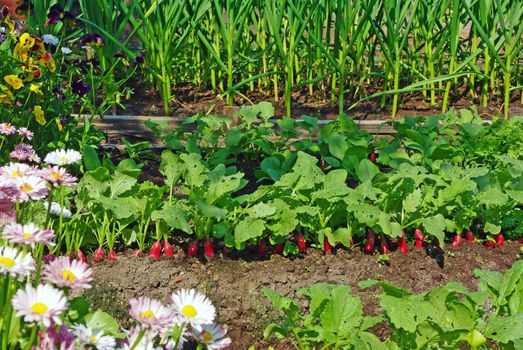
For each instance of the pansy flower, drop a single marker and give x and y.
(14, 81)
(79, 87)
(93, 40)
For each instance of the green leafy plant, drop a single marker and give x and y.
(334, 319)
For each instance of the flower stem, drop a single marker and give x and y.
(32, 338)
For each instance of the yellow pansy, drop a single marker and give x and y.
(60, 126)
(10, 24)
(27, 41)
(13, 80)
(21, 53)
(47, 61)
(39, 114)
(6, 96)
(36, 89)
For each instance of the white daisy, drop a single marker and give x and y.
(56, 209)
(150, 313)
(66, 50)
(90, 337)
(43, 304)
(63, 157)
(15, 263)
(64, 272)
(50, 39)
(193, 307)
(213, 336)
(30, 187)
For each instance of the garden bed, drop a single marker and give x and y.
(235, 284)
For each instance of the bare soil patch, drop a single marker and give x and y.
(235, 283)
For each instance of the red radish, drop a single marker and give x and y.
(112, 255)
(457, 240)
(469, 237)
(156, 249)
(490, 244)
(192, 250)
(420, 239)
(262, 248)
(373, 156)
(520, 240)
(384, 246)
(138, 252)
(369, 246)
(326, 246)
(300, 242)
(500, 240)
(209, 249)
(81, 256)
(402, 244)
(278, 248)
(323, 163)
(167, 248)
(98, 254)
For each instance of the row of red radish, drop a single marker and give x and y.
(370, 246)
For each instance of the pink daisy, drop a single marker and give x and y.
(25, 132)
(213, 336)
(28, 234)
(58, 176)
(8, 190)
(64, 272)
(150, 312)
(7, 129)
(30, 188)
(24, 152)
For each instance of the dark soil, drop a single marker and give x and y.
(235, 284)
(190, 99)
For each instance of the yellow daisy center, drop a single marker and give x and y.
(207, 336)
(39, 308)
(26, 187)
(56, 175)
(189, 311)
(16, 173)
(68, 276)
(26, 235)
(63, 159)
(148, 314)
(6, 262)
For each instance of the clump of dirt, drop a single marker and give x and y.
(235, 284)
